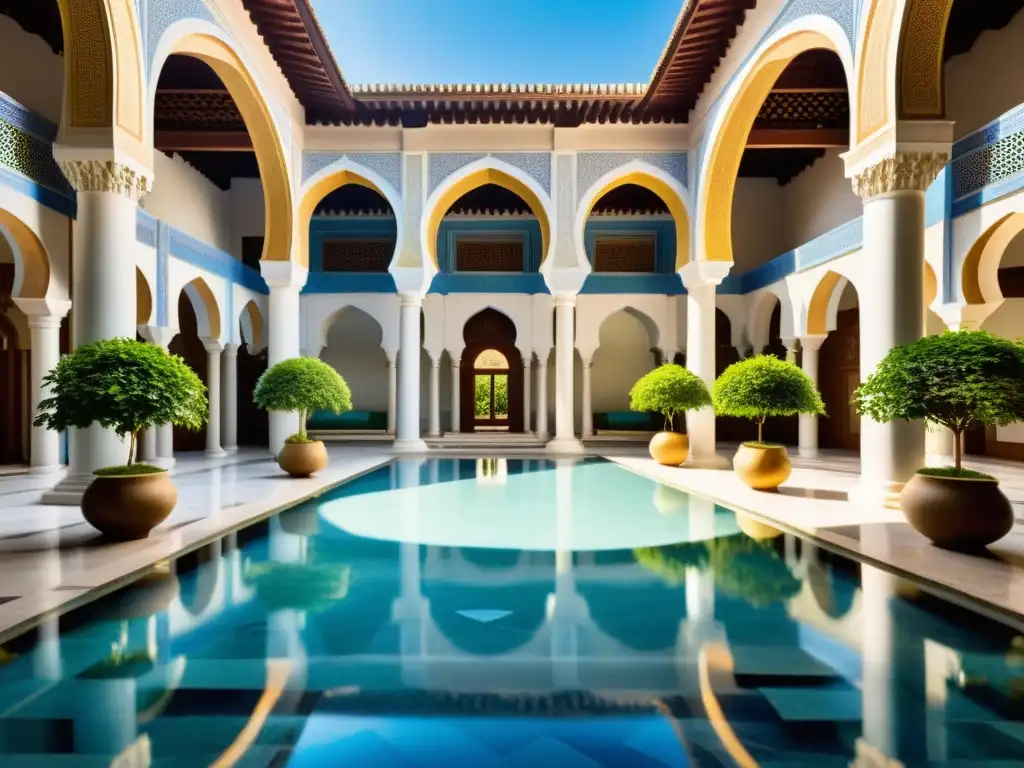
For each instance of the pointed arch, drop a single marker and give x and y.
(488, 170)
(143, 299)
(979, 274)
(206, 42)
(650, 178)
(208, 324)
(337, 175)
(761, 311)
(31, 262)
(251, 325)
(733, 122)
(824, 304)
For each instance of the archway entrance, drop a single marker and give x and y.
(491, 371)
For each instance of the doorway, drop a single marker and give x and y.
(491, 375)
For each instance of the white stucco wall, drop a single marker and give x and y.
(623, 357)
(758, 223)
(819, 199)
(248, 216)
(30, 73)
(354, 350)
(184, 198)
(985, 82)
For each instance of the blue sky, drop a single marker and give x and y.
(520, 41)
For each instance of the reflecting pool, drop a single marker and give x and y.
(499, 612)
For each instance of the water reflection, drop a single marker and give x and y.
(297, 643)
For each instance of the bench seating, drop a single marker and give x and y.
(364, 421)
(623, 421)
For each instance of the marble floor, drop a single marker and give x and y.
(51, 560)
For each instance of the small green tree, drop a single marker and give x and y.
(669, 389)
(954, 379)
(124, 385)
(302, 385)
(763, 386)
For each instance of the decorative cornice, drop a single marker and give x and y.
(899, 172)
(105, 176)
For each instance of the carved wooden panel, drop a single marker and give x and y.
(489, 255)
(351, 255)
(624, 254)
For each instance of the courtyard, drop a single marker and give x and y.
(483, 418)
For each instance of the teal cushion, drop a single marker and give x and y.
(325, 420)
(622, 420)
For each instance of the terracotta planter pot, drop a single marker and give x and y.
(669, 449)
(303, 459)
(762, 466)
(957, 512)
(129, 507)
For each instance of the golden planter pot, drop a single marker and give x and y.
(755, 529)
(303, 459)
(669, 449)
(128, 507)
(762, 466)
(957, 512)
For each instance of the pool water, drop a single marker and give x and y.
(513, 613)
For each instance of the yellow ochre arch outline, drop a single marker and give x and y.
(32, 260)
(474, 180)
(668, 196)
(143, 299)
(209, 301)
(979, 276)
(718, 183)
(255, 317)
(267, 144)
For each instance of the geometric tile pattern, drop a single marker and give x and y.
(160, 14)
(591, 166)
(995, 162)
(387, 165)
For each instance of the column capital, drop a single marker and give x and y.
(789, 342)
(213, 346)
(898, 172)
(704, 272)
(231, 349)
(565, 299)
(963, 317)
(283, 274)
(435, 362)
(42, 312)
(813, 342)
(158, 334)
(411, 299)
(93, 175)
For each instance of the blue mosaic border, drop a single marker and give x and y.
(26, 120)
(161, 14)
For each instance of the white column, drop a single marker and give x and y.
(147, 449)
(527, 387)
(588, 415)
(408, 438)
(891, 307)
(285, 279)
(542, 395)
(213, 348)
(163, 435)
(434, 424)
(392, 395)
(565, 430)
(229, 398)
(700, 279)
(456, 392)
(808, 441)
(104, 293)
(44, 318)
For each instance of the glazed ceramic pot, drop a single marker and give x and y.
(755, 529)
(128, 507)
(303, 459)
(762, 466)
(957, 512)
(669, 448)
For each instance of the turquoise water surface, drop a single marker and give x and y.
(512, 613)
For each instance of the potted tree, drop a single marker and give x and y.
(127, 386)
(669, 389)
(302, 385)
(954, 379)
(756, 388)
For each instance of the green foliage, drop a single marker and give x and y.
(954, 379)
(482, 396)
(668, 390)
(671, 562)
(302, 385)
(965, 474)
(297, 438)
(124, 385)
(763, 386)
(299, 587)
(129, 471)
(751, 570)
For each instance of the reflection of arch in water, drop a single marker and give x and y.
(491, 559)
(526, 603)
(645, 616)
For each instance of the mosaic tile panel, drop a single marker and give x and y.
(591, 166)
(145, 229)
(1007, 124)
(387, 165)
(26, 120)
(160, 14)
(836, 242)
(163, 255)
(536, 165)
(994, 163)
(32, 157)
(411, 252)
(565, 250)
(441, 165)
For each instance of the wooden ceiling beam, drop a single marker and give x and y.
(807, 138)
(203, 141)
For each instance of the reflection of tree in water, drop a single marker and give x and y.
(744, 567)
(298, 586)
